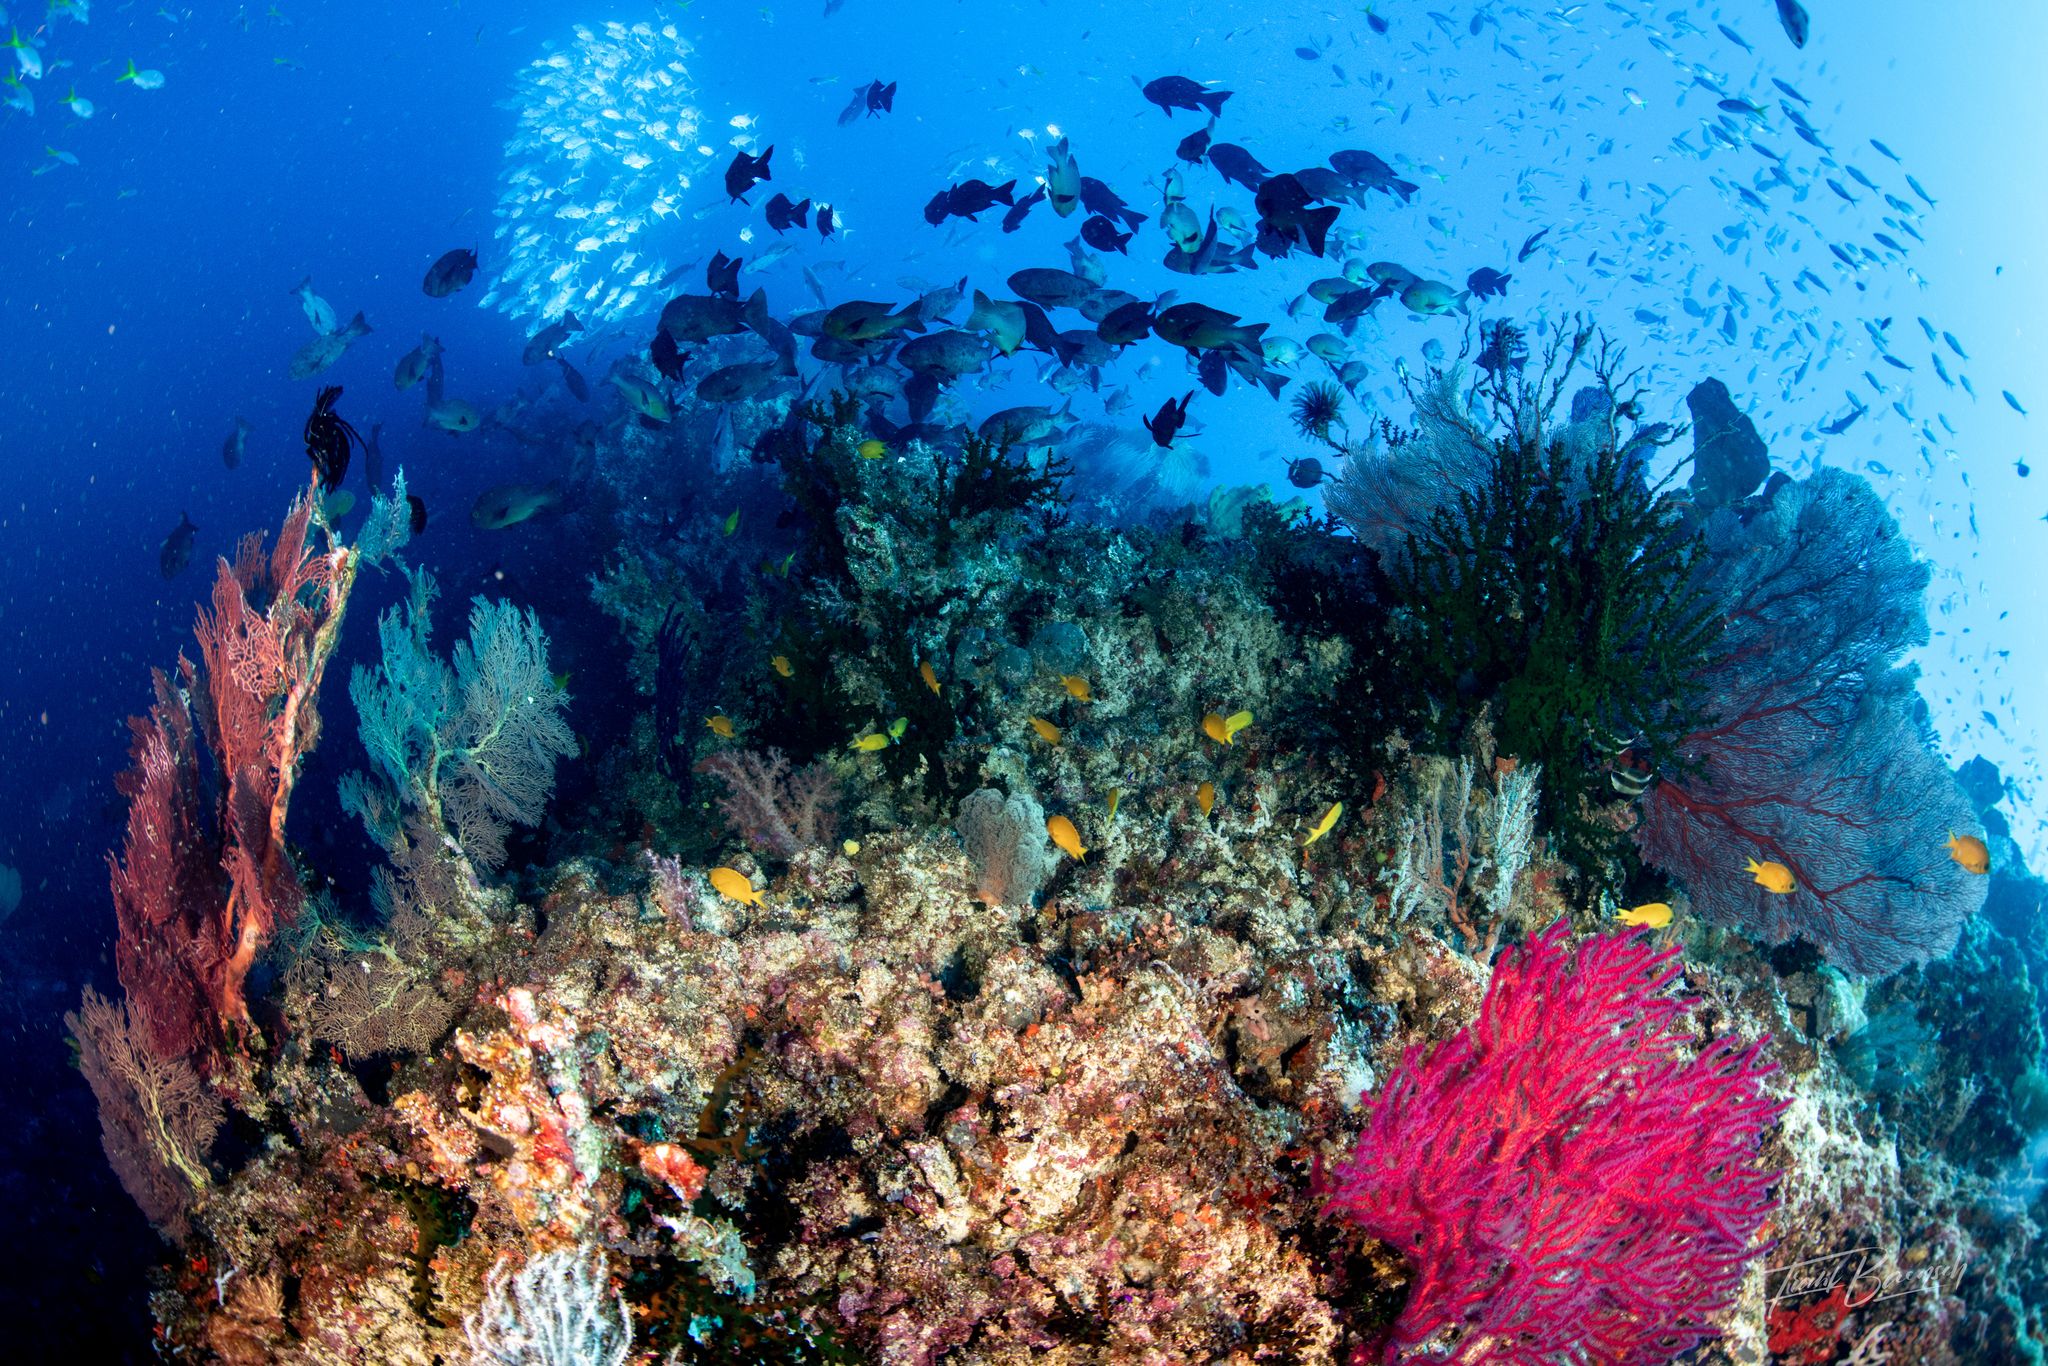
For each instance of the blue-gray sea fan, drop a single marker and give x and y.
(1818, 757)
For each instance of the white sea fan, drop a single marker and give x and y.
(606, 149)
(554, 1311)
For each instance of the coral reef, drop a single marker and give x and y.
(994, 934)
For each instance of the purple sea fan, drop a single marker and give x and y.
(1818, 758)
(1565, 1182)
(774, 808)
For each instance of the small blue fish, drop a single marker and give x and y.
(1732, 36)
(1955, 345)
(2013, 402)
(1884, 149)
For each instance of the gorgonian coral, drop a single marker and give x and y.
(1567, 1178)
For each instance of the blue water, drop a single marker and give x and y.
(146, 302)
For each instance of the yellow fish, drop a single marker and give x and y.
(849, 847)
(871, 744)
(1047, 731)
(734, 885)
(872, 449)
(1116, 799)
(721, 726)
(1205, 797)
(1322, 827)
(1969, 851)
(1772, 877)
(898, 726)
(732, 523)
(1655, 914)
(1223, 729)
(930, 677)
(1076, 686)
(782, 666)
(1065, 836)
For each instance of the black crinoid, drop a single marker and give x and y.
(1317, 408)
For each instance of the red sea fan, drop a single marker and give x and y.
(1565, 1182)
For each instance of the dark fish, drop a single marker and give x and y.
(697, 317)
(1014, 219)
(232, 449)
(1369, 172)
(177, 548)
(1375, 23)
(1127, 324)
(1098, 198)
(1347, 308)
(1178, 92)
(1194, 148)
(1308, 54)
(1198, 327)
(722, 276)
(1486, 282)
(1165, 424)
(416, 512)
(1529, 245)
(1844, 422)
(967, 199)
(824, 221)
(1234, 163)
(573, 377)
(858, 320)
(541, 345)
(1327, 186)
(1101, 234)
(783, 215)
(1051, 288)
(668, 358)
(944, 356)
(879, 98)
(1209, 258)
(1285, 218)
(454, 270)
(746, 172)
(1792, 15)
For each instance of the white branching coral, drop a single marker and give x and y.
(554, 1311)
(606, 148)
(1464, 848)
(1005, 837)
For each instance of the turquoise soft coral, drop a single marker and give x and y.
(1565, 1180)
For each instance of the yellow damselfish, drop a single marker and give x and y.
(1772, 877)
(782, 666)
(1047, 731)
(872, 449)
(1205, 797)
(720, 725)
(1969, 851)
(1076, 686)
(1065, 836)
(1223, 729)
(870, 744)
(898, 726)
(930, 677)
(1116, 799)
(734, 885)
(1322, 827)
(1655, 914)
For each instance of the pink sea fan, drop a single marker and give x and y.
(773, 807)
(1564, 1181)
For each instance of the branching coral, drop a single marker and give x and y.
(1462, 853)
(773, 806)
(556, 1310)
(1560, 1176)
(472, 746)
(156, 1116)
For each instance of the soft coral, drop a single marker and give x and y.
(1558, 1176)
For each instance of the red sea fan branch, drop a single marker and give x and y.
(204, 874)
(1560, 1177)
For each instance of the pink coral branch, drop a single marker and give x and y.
(771, 806)
(1560, 1177)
